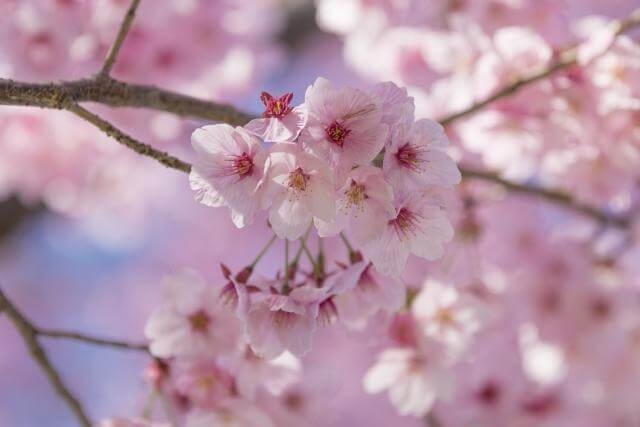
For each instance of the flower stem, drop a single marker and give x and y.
(263, 251)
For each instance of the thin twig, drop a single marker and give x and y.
(124, 139)
(553, 196)
(566, 58)
(30, 337)
(76, 336)
(117, 44)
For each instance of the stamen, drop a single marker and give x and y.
(337, 133)
(241, 165)
(355, 195)
(200, 321)
(276, 107)
(405, 223)
(298, 180)
(410, 156)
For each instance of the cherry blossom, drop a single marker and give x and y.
(344, 126)
(416, 157)
(191, 321)
(280, 122)
(300, 189)
(229, 171)
(419, 226)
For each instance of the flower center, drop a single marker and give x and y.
(243, 165)
(409, 156)
(276, 107)
(355, 195)
(298, 180)
(337, 133)
(199, 321)
(405, 223)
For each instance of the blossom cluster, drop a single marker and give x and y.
(317, 170)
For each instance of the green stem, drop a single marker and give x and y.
(263, 251)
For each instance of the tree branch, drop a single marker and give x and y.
(108, 91)
(115, 93)
(124, 139)
(553, 196)
(566, 58)
(88, 339)
(117, 44)
(29, 335)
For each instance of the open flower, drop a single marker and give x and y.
(445, 315)
(415, 158)
(284, 322)
(301, 189)
(396, 105)
(413, 378)
(228, 170)
(371, 293)
(364, 205)
(420, 226)
(344, 126)
(280, 122)
(191, 322)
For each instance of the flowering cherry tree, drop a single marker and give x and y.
(447, 237)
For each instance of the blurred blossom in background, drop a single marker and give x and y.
(537, 305)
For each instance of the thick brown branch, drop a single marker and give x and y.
(117, 44)
(30, 337)
(115, 93)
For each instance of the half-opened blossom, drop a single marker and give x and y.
(445, 315)
(191, 322)
(300, 187)
(231, 413)
(344, 125)
(372, 293)
(414, 379)
(279, 122)
(396, 105)
(364, 205)
(284, 322)
(228, 170)
(420, 226)
(416, 157)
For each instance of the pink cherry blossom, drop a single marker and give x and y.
(396, 105)
(300, 188)
(275, 375)
(344, 126)
(284, 322)
(416, 157)
(191, 322)
(445, 315)
(229, 171)
(203, 382)
(414, 381)
(372, 293)
(364, 205)
(280, 122)
(232, 413)
(420, 226)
